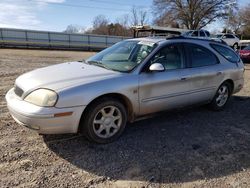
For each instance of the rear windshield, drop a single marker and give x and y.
(247, 48)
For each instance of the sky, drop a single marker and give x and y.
(56, 15)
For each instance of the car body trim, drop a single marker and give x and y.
(177, 94)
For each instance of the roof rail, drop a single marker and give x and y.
(195, 38)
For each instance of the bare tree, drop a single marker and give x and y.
(239, 21)
(74, 29)
(192, 14)
(245, 19)
(100, 20)
(123, 20)
(138, 16)
(100, 24)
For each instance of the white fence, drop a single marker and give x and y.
(57, 40)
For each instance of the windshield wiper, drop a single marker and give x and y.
(99, 64)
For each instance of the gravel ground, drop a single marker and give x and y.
(194, 147)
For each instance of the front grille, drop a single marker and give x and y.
(18, 91)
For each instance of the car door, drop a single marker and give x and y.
(203, 74)
(163, 90)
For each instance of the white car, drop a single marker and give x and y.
(197, 34)
(231, 40)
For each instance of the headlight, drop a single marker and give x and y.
(42, 97)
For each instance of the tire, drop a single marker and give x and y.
(104, 121)
(221, 97)
(235, 46)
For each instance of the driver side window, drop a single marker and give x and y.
(170, 57)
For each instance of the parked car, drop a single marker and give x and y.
(245, 54)
(231, 39)
(197, 33)
(131, 79)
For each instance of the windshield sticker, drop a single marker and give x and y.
(147, 43)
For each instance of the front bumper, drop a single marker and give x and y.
(42, 119)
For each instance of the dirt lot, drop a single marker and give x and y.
(190, 148)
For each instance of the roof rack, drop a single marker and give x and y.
(194, 38)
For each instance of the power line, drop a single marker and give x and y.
(79, 6)
(117, 3)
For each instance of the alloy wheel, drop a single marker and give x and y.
(107, 122)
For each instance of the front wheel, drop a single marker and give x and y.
(221, 97)
(104, 121)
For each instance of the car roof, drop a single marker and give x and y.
(161, 40)
(150, 39)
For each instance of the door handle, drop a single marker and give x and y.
(219, 73)
(183, 78)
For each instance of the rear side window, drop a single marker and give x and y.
(229, 36)
(227, 53)
(200, 56)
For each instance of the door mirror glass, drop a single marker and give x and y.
(156, 67)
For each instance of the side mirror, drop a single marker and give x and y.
(156, 67)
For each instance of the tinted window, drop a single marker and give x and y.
(226, 52)
(200, 56)
(229, 36)
(219, 36)
(170, 57)
(202, 34)
(195, 34)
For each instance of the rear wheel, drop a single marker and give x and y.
(221, 97)
(104, 120)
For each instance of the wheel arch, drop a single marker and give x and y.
(231, 83)
(120, 97)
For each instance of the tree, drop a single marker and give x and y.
(239, 22)
(74, 29)
(138, 16)
(245, 17)
(192, 14)
(100, 24)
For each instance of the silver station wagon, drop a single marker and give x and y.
(131, 79)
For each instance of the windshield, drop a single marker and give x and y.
(247, 48)
(123, 56)
(218, 36)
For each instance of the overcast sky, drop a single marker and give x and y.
(55, 15)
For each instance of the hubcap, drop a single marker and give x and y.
(107, 121)
(222, 96)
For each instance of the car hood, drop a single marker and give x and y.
(57, 77)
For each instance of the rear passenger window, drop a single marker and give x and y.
(229, 36)
(200, 56)
(227, 53)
